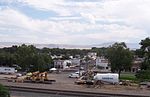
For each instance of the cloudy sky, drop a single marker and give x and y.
(79, 22)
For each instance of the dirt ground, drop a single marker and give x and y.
(65, 83)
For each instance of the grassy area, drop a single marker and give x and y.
(128, 76)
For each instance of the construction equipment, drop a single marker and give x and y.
(81, 80)
(42, 77)
(87, 78)
(35, 77)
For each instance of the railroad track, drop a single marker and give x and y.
(70, 93)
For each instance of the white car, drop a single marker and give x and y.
(81, 72)
(18, 75)
(73, 75)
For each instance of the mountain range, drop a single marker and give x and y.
(67, 46)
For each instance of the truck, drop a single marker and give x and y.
(7, 70)
(107, 77)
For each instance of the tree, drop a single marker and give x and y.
(144, 74)
(24, 55)
(145, 49)
(120, 57)
(100, 51)
(4, 91)
(31, 59)
(7, 59)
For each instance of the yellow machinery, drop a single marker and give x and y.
(43, 76)
(36, 77)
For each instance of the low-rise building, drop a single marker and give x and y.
(92, 55)
(62, 64)
(56, 57)
(136, 64)
(75, 61)
(102, 63)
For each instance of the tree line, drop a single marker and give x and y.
(27, 57)
(30, 58)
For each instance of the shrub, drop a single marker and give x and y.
(4, 91)
(143, 75)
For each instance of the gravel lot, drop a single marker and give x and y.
(65, 83)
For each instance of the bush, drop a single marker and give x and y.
(4, 91)
(143, 75)
(127, 77)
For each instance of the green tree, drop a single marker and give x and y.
(100, 51)
(144, 74)
(7, 59)
(145, 49)
(4, 91)
(32, 59)
(25, 55)
(120, 57)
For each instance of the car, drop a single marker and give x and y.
(74, 75)
(82, 72)
(18, 75)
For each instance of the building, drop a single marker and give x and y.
(56, 57)
(92, 55)
(136, 64)
(75, 61)
(102, 63)
(62, 64)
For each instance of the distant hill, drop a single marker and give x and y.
(67, 46)
(132, 46)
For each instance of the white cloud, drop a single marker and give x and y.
(78, 22)
(15, 26)
(118, 33)
(53, 5)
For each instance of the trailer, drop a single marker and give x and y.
(107, 77)
(7, 70)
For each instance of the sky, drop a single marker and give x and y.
(79, 22)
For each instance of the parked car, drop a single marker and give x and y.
(7, 70)
(74, 75)
(81, 72)
(18, 75)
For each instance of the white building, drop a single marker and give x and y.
(92, 55)
(66, 64)
(62, 64)
(56, 57)
(102, 63)
(75, 61)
